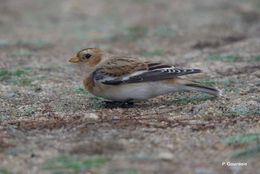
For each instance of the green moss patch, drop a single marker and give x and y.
(82, 91)
(74, 164)
(250, 142)
(226, 84)
(257, 58)
(21, 53)
(164, 32)
(33, 44)
(4, 43)
(18, 77)
(243, 110)
(241, 139)
(7, 74)
(4, 171)
(134, 33)
(224, 58)
(152, 53)
(125, 171)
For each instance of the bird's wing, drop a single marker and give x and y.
(130, 70)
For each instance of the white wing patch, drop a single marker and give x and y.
(137, 73)
(143, 75)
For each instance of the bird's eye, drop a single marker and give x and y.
(86, 56)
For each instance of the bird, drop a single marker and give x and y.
(125, 78)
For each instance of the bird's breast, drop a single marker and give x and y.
(136, 91)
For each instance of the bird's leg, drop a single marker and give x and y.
(119, 104)
(129, 102)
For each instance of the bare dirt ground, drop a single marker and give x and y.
(50, 124)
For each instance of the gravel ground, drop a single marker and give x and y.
(50, 124)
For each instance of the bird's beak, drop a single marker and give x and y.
(74, 60)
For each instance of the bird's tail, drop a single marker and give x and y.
(196, 87)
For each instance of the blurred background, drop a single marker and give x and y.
(45, 111)
(145, 27)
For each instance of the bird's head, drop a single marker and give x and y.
(87, 58)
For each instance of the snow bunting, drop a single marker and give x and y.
(125, 78)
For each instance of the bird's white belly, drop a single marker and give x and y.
(137, 91)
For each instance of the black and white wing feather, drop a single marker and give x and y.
(154, 72)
